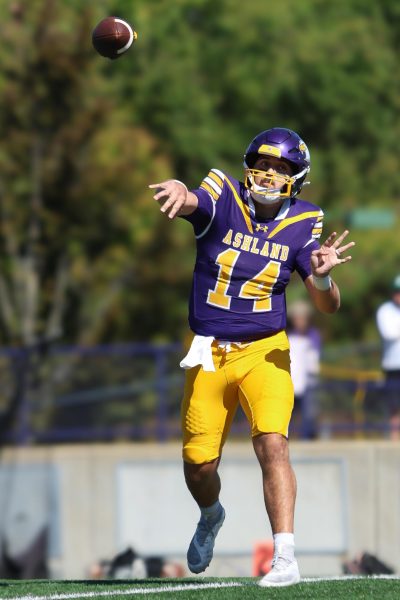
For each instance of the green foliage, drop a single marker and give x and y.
(74, 174)
(84, 252)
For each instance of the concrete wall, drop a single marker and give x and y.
(98, 499)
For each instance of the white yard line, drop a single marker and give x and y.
(346, 578)
(130, 591)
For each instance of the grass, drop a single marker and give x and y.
(201, 589)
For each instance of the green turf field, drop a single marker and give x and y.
(201, 588)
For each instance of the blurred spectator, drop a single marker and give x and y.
(30, 563)
(130, 565)
(388, 322)
(366, 564)
(305, 350)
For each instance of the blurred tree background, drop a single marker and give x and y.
(85, 255)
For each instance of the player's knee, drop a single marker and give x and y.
(197, 455)
(271, 449)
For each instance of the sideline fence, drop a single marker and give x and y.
(133, 392)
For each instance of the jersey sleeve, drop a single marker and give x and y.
(210, 190)
(303, 257)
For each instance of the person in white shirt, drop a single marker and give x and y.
(305, 350)
(388, 323)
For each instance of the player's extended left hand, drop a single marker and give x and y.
(171, 195)
(330, 254)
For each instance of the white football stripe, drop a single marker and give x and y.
(131, 36)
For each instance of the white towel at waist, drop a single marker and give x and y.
(200, 352)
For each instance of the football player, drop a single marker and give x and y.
(251, 236)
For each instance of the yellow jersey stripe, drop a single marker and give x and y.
(209, 189)
(212, 184)
(243, 207)
(216, 178)
(286, 222)
(317, 229)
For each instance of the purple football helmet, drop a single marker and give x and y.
(283, 144)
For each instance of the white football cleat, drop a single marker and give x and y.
(285, 571)
(201, 547)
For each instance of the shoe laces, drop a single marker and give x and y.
(280, 562)
(203, 529)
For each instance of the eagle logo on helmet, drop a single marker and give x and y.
(302, 146)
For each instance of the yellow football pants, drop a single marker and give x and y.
(257, 375)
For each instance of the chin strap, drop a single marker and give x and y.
(266, 192)
(261, 199)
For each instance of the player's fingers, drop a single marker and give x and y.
(173, 204)
(161, 194)
(167, 205)
(175, 209)
(345, 247)
(163, 189)
(340, 239)
(330, 239)
(156, 185)
(172, 212)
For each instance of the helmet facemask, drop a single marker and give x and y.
(274, 186)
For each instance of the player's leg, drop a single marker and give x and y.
(266, 395)
(279, 481)
(208, 408)
(203, 481)
(212, 513)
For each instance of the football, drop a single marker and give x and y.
(112, 37)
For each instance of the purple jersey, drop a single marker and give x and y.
(243, 265)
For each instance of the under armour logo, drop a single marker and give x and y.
(261, 227)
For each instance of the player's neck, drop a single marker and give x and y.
(267, 211)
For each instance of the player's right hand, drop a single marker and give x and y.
(171, 195)
(330, 254)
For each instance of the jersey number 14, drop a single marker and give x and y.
(258, 288)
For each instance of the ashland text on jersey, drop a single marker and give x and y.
(243, 265)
